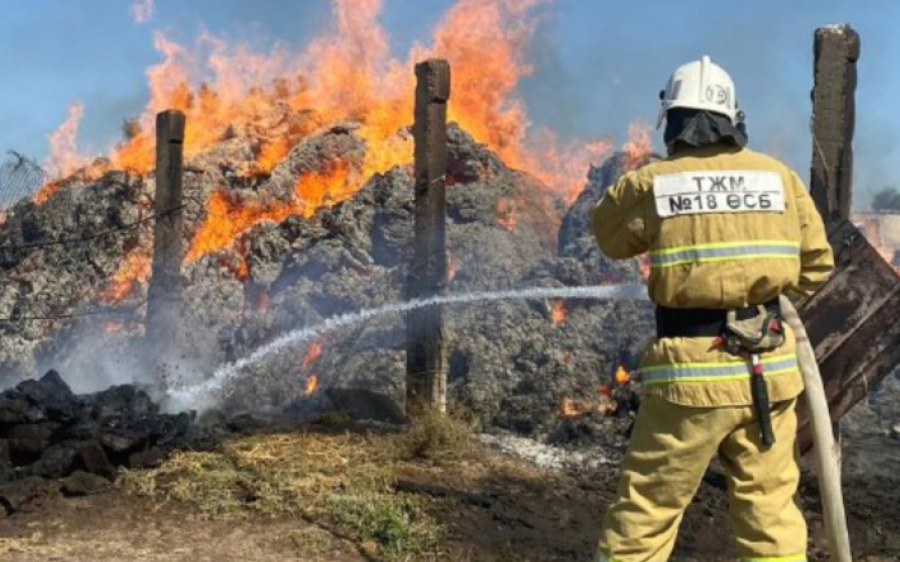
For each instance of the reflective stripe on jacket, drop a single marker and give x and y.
(718, 257)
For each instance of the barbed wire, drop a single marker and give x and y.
(95, 236)
(110, 312)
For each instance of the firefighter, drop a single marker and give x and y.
(727, 230)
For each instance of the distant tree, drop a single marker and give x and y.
(888, 199)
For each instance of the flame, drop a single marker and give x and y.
(349, 72)
(276, 98)
(112, 327)
(568, 408)
(643, 262)
(558, 312)
(312, 354)
(142, 10)
(312, 383)
(452, 266)
(622, 376)
(639, 144)
(64, 158)
(507, 214)
(134, 271)
(227, 217)
(46, 191)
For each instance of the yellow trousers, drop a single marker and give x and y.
(668, 454)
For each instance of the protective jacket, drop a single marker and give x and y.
(725, 228)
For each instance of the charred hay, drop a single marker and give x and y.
(47, 432)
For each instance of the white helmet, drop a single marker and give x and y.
(700, 85)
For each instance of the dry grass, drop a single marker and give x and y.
(10, 546)
(343, 483)
(437, 437)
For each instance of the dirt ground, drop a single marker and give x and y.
(496, 510)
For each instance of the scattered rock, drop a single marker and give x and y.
(151, 458)
(14, 495)
(83, 484)
(94, 460)
(55, 462)
(120, 440)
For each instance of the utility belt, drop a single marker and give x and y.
(702, 322)
(747, 332)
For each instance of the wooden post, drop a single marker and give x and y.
(836, 51)
(426, 360)
(165, 291)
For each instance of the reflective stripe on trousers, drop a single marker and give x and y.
(702, 253)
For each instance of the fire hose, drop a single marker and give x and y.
(824, 450)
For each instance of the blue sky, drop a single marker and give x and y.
(599, 64)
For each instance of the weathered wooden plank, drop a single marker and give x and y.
(426, 359)
(861, 279)
(853, 323)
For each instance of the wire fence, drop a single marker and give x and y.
(20, 177)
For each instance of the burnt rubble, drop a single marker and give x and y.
(49, 433)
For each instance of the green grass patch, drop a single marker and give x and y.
(343, 481)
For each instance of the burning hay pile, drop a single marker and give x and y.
(279, 270)
(298, 207)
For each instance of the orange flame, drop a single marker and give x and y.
(312, 354)
(568, 408)
(644, 267)
(111, 327)
(452, 266)
(226, 217)
(622, 376)
(46, 191)
(134, 271)
(639, 144)
(312, 383)
(558, 312)
(507, 214)
(349, 72)
(64, 158)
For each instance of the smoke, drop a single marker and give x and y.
(142, 10)
(204, 395)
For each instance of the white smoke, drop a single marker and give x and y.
(142, 10)
(204, 395)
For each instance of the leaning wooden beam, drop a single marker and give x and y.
(165, 291)
(426, 358)
(852, 324)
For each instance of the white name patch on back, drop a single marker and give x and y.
(735, 191)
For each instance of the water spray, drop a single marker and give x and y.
(191, 396)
